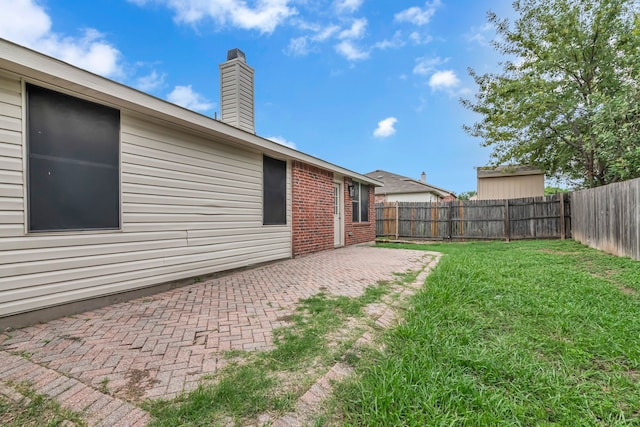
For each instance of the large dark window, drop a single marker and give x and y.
(73, 149)
(360, 202)
(275, 191)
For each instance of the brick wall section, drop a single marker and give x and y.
(359, 232)
(312, 205)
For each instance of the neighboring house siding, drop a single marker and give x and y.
(312, 208)
(412, 197)
(190, 206)
(359, 232)
(510, 187)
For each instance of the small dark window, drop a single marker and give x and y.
(73, 162)
(275, 191)
(360, 203)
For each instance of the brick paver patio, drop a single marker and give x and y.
(158, 346)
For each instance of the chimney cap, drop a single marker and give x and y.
(236, 54)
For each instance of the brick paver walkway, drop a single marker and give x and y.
(158, 346)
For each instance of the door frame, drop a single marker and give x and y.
(340, 186)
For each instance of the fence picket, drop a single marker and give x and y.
(539, 217)
(608, 218)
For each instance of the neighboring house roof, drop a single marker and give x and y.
(45, 70)
(398, 184)
(508, 170)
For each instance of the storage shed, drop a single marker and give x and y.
(108, 193)
(509, 182)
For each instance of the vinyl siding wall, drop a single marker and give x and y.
(190, 206)
(412, 197)
(11, 175)
(510, 187)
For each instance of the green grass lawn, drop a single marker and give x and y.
(529, 333)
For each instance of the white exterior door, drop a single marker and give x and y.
(337, 215)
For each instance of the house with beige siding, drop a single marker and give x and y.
(398, 188)
(509, 182)
(108, 193)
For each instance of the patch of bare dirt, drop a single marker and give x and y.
(634, 374)
(556, 252)
(628, 291)
(138, 382)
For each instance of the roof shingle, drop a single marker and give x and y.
(394, 184)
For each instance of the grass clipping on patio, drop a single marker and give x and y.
(521, 333)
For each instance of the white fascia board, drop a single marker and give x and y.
(38, 67)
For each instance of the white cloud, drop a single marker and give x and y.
(419, 39)
(23, 22)
(347, 5)
(426, 65)
(481, 35)
(385, 127)
(90, 52)
(298, 46)
(150, 82)
(395, 42)
(184, 96)
(326, 33)
(265, 16)
(422, 104)
(350, 51)
(356, 31)
(444, 80)
(280, 140)
(26, 23)
(418, 16)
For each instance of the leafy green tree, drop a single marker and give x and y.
(466, 195)
(568, 97)
(549, 191)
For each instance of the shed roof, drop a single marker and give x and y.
(50, 72)
(398, 184)
(507, 170)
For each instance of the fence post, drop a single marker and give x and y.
(397, 222)
(562, 226)
(450, 221)
(507, 226)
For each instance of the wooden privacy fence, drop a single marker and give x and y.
(608, 218)
(528, 218)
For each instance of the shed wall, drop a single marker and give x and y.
(510, 187)
(190, 206)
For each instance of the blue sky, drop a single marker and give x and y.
(364, 84)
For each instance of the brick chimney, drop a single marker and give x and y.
(423, 177)
(236, 91)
